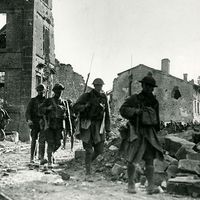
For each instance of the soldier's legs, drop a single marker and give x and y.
(41, 142)
(149, 169)
(34, 136)
(50, 138)
(57, 139)
(131, 167)
(98, 149)
(88, 156)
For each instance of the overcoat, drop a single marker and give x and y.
(139, 136)
(94, 112)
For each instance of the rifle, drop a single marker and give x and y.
(70, 128)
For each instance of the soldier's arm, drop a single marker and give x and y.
(45, 106)
(81, 104)
(28, 110)
(130, 108)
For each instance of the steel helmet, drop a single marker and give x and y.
(98, 81)
(58, 87)
(149, 80)
(41, 87)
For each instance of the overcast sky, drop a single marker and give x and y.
(118, 33)
(116, 30)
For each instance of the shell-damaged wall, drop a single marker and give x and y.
(171, 108)
(25, 22)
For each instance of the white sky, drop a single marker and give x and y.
(116, 30)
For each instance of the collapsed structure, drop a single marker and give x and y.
(179, 98)
(26, 55)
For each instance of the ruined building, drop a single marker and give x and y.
(179, 98)
(26, 44)
(73, 82)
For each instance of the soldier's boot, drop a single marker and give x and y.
(151, 188)
(131, 173)
(88, 173)
(33, 149)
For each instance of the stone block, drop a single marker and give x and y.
(196, 137)
(171, 160)
(184, 186)
(160, 166)
(193, 156)
(173, 144)
(183, 151)
(117, 169)
(189, 165)
(171, 171)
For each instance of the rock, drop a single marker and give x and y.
(12, 136)
(117, 169)
(193, 156)
(173, 144)
(196, 137)
(184, 186)
(113, 148)
(172, 170)
(109, 165)
(160, 166)
(171, 160)
(189, 165)
(183, 151)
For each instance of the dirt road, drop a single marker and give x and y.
(19, 182)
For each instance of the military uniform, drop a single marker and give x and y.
(94, 122)
(55, 112)
(141, 142)
(35, 121)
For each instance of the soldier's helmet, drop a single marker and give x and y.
(41, 87)
(98, 81)
(149, 80)
(58, 87)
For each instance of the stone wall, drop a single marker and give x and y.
(73, 82)
(23, 52)
(180, 109)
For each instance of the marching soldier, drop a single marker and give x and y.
(35, 122)
(57, 116)
(94, 122)
(141, 142)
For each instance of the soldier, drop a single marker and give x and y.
(141, 142)
(94, 123)
(56, 114)
(35, 122)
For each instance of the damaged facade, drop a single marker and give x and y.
(27, 43)
(73, 82)
(179, 98)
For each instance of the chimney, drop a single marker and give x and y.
(198, 80)
(165, 65)
(185, 77)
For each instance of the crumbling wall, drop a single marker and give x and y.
(180, 109)
(73, 82)
(23, 52)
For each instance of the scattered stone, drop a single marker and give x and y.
(117, 169)
(193, 156)
(113, 148)
(173, 144)
(160, 166)
(172, 170)
(189, 165)
(171, 160)
(183, 151)
(184, 186)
